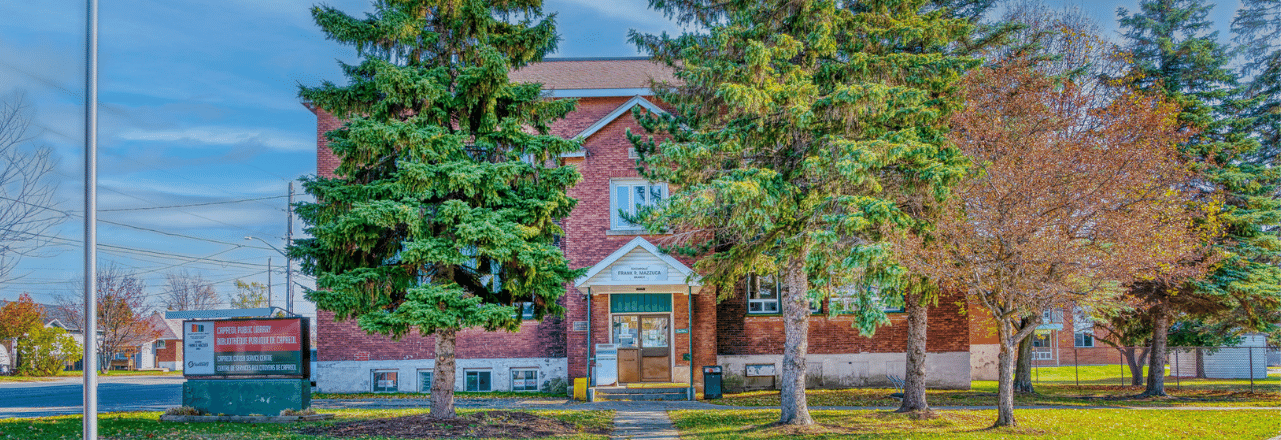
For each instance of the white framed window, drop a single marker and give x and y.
(762, 294)
(1082, 328)
(424, 381)
(479, 380)
(628, 196)
(845, 300)
(765, 293)
(524, 379)
(160, 344)
(384, 381)
(1084, 339)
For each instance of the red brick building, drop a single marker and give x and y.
(638, 315)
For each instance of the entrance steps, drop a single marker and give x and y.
(669, 391)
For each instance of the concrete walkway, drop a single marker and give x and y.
(643, 425)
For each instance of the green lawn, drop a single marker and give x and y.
(1056, 386)
(1048, 424)
(983, 393)
(1112, 375)
(145, 425)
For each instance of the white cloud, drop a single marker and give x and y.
(271, 139)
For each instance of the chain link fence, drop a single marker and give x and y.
(1253, 369)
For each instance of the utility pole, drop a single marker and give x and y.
(268, 282)
(289, 262)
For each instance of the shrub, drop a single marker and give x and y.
(290, 412)
(183, 411)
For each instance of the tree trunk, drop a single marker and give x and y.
(1005, 380)
(796, 326)
(442, 379)
(914, 379)
(1023, 368)
(1136, 367)
(1156, 364)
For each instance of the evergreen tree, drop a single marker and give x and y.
(440, 216)
(1257, 31)
(1176, 54)
(801, 131)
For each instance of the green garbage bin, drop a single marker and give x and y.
(712, 382)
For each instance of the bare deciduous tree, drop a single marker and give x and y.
(122, 313)
(1073, 196)
(26, 192)
(188, 292)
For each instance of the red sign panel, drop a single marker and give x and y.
(243, 336)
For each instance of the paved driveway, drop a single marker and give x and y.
(65, 395)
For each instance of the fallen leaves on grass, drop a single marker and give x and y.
(488, 424)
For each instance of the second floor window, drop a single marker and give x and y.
(630, 196)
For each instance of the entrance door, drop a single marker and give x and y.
(644, 348)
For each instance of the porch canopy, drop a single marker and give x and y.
(639, 267)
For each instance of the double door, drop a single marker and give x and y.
(644, 347)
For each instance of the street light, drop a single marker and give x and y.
(289, 275)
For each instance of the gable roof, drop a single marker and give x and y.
(618, 112)
(587, 77)
(639, 247)
(168, 328)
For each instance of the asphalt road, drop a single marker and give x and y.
(65, 395)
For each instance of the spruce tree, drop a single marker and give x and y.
(801, 132)
(440, 216)
(1257, 31)
(1176, 54)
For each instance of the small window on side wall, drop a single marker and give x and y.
(524, 379)
(762, 294)
(478, 380)
(424, 381)
(1084, 339)
(160, 344)
(384, 381)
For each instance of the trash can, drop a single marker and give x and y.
(712, 382)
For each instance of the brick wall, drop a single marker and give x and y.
(172, 351)
(743, 334)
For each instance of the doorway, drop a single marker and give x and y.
(644, 347)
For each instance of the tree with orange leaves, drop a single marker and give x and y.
(17, 320)
(1074, 193)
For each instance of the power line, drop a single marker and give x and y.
(174, 234)
(190, 205)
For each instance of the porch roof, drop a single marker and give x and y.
(638, 266)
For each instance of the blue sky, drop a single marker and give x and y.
(199, 106)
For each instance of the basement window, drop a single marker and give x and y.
(478, 380)
(424, 381)
(384, 381)
(524, 379)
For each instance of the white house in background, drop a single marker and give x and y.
(1249, 358)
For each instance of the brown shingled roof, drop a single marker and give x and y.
(594, 73)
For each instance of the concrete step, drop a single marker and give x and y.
(647, 396)
(644, 390)
(619, 393)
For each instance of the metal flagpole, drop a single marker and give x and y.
(91, 227)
